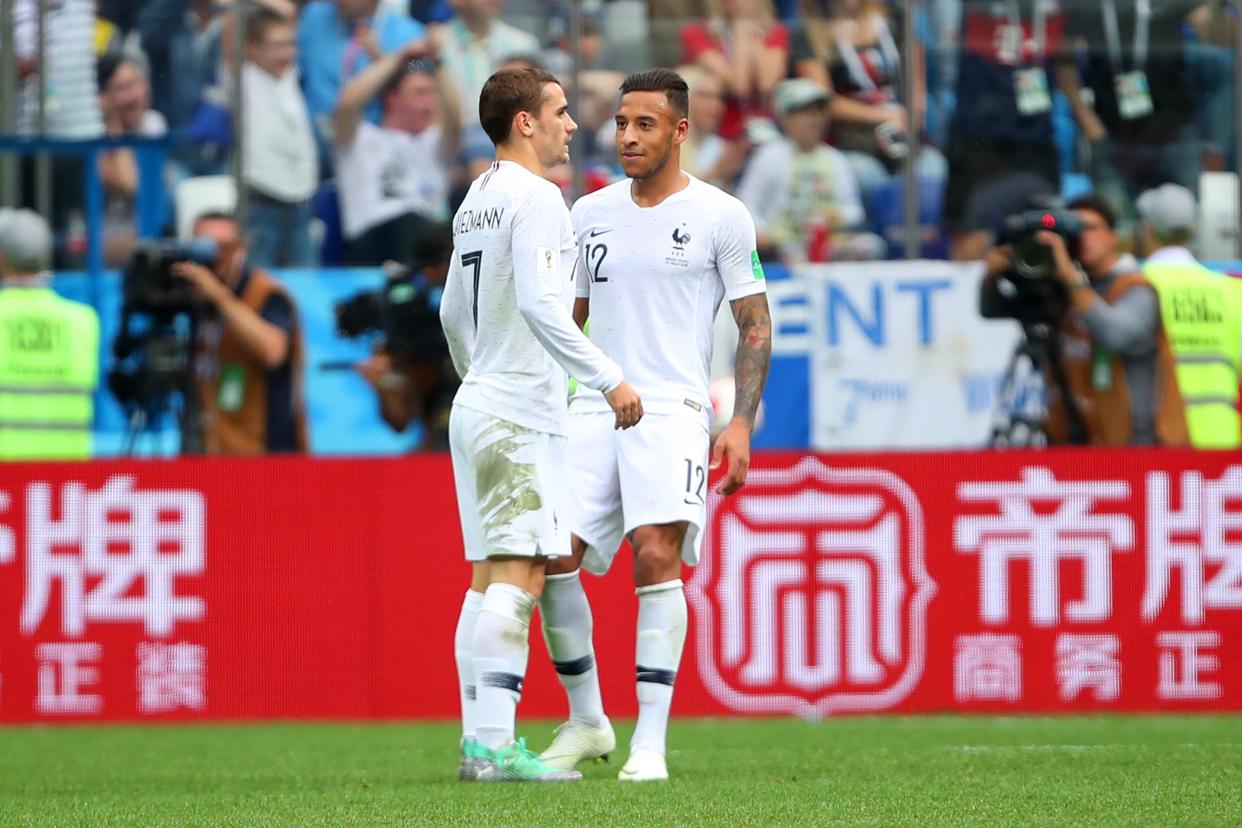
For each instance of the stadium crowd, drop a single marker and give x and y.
(361, 130)
(360, 116)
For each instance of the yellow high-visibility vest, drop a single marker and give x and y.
(1202, 315)
(49, 369)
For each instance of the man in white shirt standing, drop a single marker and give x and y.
(281, 158)
(396, 174)
(506, 317)
(660, 251)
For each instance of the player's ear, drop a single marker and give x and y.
(524, 124)
(682, 131)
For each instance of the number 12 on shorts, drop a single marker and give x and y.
(696, 479)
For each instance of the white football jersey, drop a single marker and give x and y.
(506, 304)
(655, 277)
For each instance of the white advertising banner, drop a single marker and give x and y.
(899, 356)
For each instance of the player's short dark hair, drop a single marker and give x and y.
(1096, 205)
(507, 93)
(259, 21)
(673, 86)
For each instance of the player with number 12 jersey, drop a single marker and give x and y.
(661, 250)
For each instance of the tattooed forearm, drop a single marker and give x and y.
(754, 354)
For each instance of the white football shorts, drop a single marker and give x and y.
(511, 487)
(653, 473)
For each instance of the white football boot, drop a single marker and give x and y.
(577, 741)
(644, 765)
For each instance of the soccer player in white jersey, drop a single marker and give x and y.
(660, 251)
(506, 315)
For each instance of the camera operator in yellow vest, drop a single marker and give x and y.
(49, 351)
(1202, 312)
(249, 363)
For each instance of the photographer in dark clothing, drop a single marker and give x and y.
(410, 372)
(1110, 342)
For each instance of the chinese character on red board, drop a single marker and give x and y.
(66, 672)
(1201, 541)
(132, 544)
(987, 667)
(1088, 663)
(812, 594)
(1085, 523)
(171, 677)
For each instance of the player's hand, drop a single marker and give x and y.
(733, 445)
(626, 404)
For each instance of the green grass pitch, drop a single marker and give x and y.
(1141, 771)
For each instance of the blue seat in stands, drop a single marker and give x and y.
(328, 210)
(887, 214)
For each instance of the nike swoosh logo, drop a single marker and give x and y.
(598, 232)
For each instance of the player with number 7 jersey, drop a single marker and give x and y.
(506, 316)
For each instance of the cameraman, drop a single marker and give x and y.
(249, 364)
(411, 372)
(1108, 341)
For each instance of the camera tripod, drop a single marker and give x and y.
(154, 380)
(1022, 402)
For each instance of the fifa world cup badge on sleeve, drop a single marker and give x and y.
(546, 261)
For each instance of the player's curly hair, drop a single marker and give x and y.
(507, 93)
(667, 81)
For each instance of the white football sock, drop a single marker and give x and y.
(567, 623)
(501, 646)
(463, 652)
(661, 636)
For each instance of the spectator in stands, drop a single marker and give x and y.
(1111, 343)
(395, 176)
(743, 45)
(853, 52)
(125, 100)
(1212, 33)
(475, 43)
(800, 191)
(181, 39)
(249, 364)
(71, 108)
(558, 57)
(414, 378)
(1139, 115)
(337, 39)
(281, 161)
(705, 153)
(1001, 151)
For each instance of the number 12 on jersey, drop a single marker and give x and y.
(696, 477)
